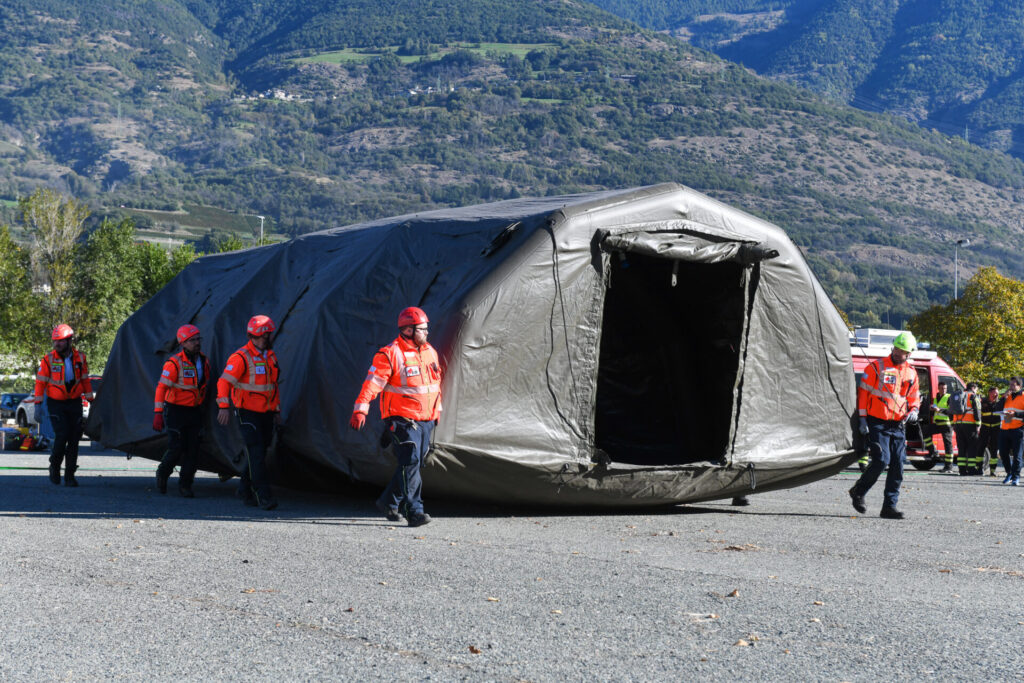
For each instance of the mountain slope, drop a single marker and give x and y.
(953, 65)
(475, 109)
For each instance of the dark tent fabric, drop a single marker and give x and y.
(639, 347)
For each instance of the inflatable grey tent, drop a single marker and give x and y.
(641, 347)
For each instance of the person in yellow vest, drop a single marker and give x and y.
(988, 441)
(249, 382)
(942, 425)
(967, 427)
(64, 377)
(1011, 435)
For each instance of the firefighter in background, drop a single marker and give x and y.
(988, 439)
(180, 394)
(887, 398)
(250, 382)
(1011, 434)
(967, 428)
(942, 425)
(64, 376)
(407, 375)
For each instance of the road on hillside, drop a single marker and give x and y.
(115, 581)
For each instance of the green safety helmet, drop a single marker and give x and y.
(905, 342)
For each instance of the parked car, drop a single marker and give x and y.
(26, 412)
(9, 404)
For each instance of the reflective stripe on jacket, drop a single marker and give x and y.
(50, 376)
(250, 380)
(408, 380)
(179, 382)
(887, 391)
(1013, 402)
(990, 412)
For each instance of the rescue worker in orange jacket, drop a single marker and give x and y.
(887, 398)
(250, 383)
(64, 377)
(180, 395)
(407, 375)
(1011, 434)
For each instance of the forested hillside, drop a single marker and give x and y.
(953, 65)
(316, 114)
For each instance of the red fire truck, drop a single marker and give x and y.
(868, 344)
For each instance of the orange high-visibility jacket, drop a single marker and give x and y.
(408, 378)
(888, 391)
(973, 414)
(1013, 402)
(50, 376)
(250, 378)
(179, 382)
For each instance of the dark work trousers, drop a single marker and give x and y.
(1010, 443)
(887, 442)
(184, 427)
(968, 457)
(946, 431)
(988, 447)
(258, 430)
(66, 420)
(411, 441)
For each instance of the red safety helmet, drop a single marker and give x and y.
(62, 331)
(186, 332)
(412, 316)
(260, 325)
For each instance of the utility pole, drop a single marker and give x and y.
(261, 228)
(956, 266)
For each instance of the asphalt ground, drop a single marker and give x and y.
(112, 580)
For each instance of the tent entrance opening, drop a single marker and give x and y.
(668, 360)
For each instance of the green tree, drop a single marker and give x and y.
(16, 304)
(110, 281)
(981, 334)
(230, 243)
(54, 225)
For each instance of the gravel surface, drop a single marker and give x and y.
(114, 581)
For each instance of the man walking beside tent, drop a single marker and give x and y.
(179, 397)
(407, 375)
(249, 382)
(887, 398)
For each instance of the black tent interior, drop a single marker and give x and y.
(670, 342)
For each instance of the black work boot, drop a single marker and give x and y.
(186, 492)
(858, 502)
(391, 514)
(69, 477)
(419, 519)
(55, 475)
(891, 513)
(740, 501)
(161, 482)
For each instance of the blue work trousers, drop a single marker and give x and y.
(1011, 447)
(411, 441)
(887, 443)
